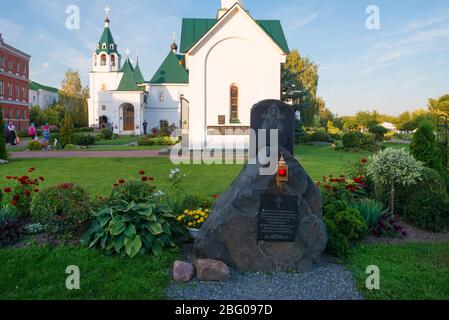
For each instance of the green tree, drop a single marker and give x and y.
(67, 132)
(3, 154)
(73, 96)
(36, 115)
(439, 105)
(424, 148)
(379, 132)
(299, 85)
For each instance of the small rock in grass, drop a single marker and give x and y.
(211, 270)
(182, 271)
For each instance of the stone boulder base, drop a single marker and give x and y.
(182, 271)
(211, 270)
(231, 232)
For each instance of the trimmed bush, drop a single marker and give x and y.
(70, 147)
(107, 134)
(145, 142)
(356, 140)
(320, 136)
(67, 133)
(64, 207)
(379, 132)
(35, 146)
(424, 148)
(343, 224)
(84, 139)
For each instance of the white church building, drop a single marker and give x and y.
(223, 67)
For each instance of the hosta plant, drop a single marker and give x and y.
(128, 228)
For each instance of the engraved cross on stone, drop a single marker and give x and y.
(279, 202)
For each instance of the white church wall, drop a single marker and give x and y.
(238, 52)
(164, 104)
(100, 82)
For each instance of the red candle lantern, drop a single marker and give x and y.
(282, 174)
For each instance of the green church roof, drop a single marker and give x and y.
(106, 38)
(128, 82)
(37, 86)
(138, 74)
(194, 29)
(171, 71)
(127, 66)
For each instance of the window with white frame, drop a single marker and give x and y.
(2, 87)
(9, 89)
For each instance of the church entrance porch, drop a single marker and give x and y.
(128, 118)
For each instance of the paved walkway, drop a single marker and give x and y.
(86, 154)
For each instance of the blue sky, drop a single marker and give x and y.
(393, 69)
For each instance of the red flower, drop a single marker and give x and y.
(141, 172)
(8, 190)
(150, 178)
(41, 178)
(9, 177)
(27, 193)
(363, 161)
(16, 197)
(116, 185)
(216, 196)
(121, 181)
(328, 188)
(36, 190)
(144, 179)
(14, 203)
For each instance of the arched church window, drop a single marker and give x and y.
(103, 60)
(104, 46)
(234, 102)
(113, 60)
(111, 46)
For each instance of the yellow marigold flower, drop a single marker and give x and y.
(186, 211)
(190, 223)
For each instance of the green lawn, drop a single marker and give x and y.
(39, 273)
(98, 175)
(407, 271)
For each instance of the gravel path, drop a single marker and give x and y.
(329, 281)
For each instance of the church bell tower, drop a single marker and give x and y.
(106, 57)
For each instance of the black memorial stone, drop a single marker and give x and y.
(278, 217)
(274, 115)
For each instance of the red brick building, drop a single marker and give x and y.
(14, 85)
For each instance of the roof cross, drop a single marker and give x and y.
(127, 51)
(106, 10)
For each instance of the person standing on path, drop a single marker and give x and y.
(12, 135)
(32, 132)
(46, 129)
(145, 126)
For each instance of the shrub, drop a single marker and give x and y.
(53, 137)
(84, 139)
(3, 154)
(320, 135)
(394, 167)
(335, 189)
(70, 147)
(84, 129)
(370, 209)
(64, 207)
(99, 137)
(11, 231)
(133, 191)
(343, 224)
(35, 146)
(356, 140)
(425, 204)
(378, 131)
(67, 134)
(107, 134)
(424, 148)
(145, 142)
(129, 229)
